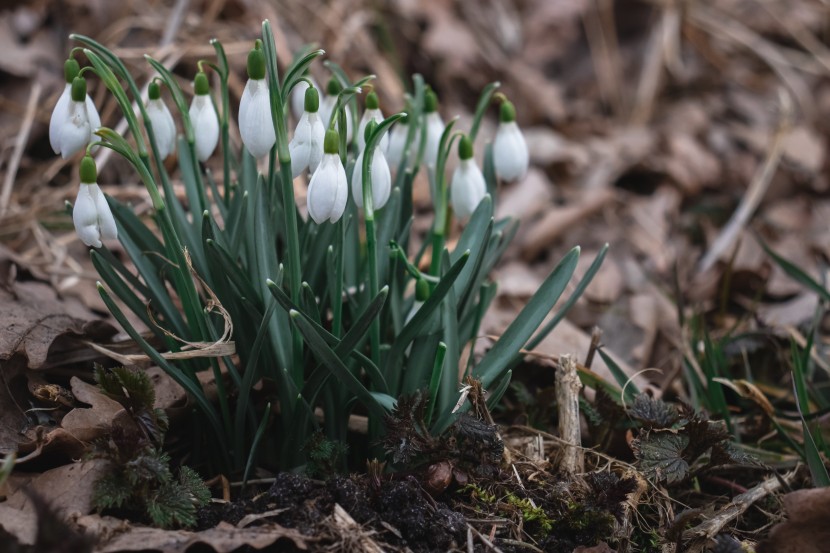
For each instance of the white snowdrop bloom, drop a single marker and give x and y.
(91, 214)
(434, 129)
(328, 104)
(297, 97)
(72, 123)
(381, 178)
(256, 125)
(372, 113)
(397, 144)
(306, 148)
(329, 188)
(66, 112)
(510, 155)
(468, 187)
(164, 127)
(204, 118)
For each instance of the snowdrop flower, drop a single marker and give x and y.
(204, 119)
(510, 155)
(468, 187)
(381, 178)
(372, 113)
(328, 189)
(164, 128)
(298, 95)
(91, 213)
(397, 144)
(434, 129)
(255, 122)
(306, 148)
(333, 90)
(68, 116)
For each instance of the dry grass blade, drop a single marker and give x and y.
(19, 145)
(757, 188)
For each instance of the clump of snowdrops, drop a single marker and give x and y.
(304, 321)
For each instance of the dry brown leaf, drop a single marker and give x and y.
(224, 538)
(690, 164)
(527, 198)
(806, 529)
(34, 318)
(68, 488)
(88, 423)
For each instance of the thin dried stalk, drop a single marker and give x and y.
(567, 398)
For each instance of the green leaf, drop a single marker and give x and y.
(797, 274)
(660, 455)
(497, 361)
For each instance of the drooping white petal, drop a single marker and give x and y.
(435, 128)
(58, 117)
(397, 143)
(370, 115)
(164, 127)
(510, 155)
(255, 123)
(467, 189)
(306, 148)
(381, 180)
(85, 215)
(328, 190)
(205, 125)
(74, 132)
(106, 222)
(94, 117)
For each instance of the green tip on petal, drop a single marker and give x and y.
(370, 128)
(422, 290)
(333, 87)
(256, 63)
(79, 89)
(372, 101)
(70, 70)
(89, 173)
(154, 91)
(507, 112)
(331, 144)
(430, 102)
(312, 100)
(200, 84)
(465, 147)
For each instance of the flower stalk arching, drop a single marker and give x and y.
(223, 70)
(369, 219)
(441, 223)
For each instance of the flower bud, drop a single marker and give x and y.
(70, 127)
(164, 127)
(306, 148)
(204, 118)
(256, 125)
(510, 155)
(372, 113)
(468, 187)
(328, 189)
(91, 214)
(381, 178)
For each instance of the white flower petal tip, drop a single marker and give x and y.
(164, 127)
(92, 216)
(371, 115)
(255, 122)
(435, 128)
(205, 123)
(328, 190)
(467, 189)
(381, 180)
(510, 155)
(306, 148)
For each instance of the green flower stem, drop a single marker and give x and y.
(337, 287)
(441, 223)
(291, 231)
